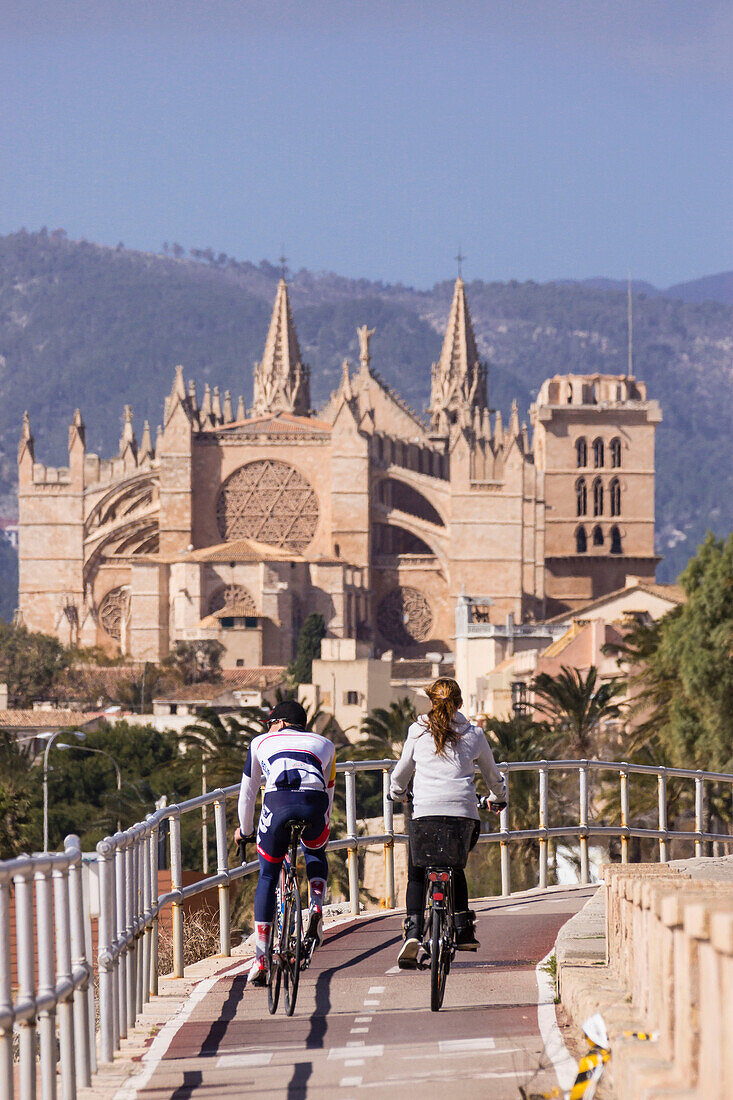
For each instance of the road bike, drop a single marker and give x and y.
(287, 951)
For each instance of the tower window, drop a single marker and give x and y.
(598, 497)
(597, 536)
(615, 540)
(616, 453)
(570, 393)
(598, 453)
(581, 541)
(581, 497)
(581, 451)
(615, 494)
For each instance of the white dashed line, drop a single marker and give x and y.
(234, 1061)
(377, 989)
(393, 970)
(356, 1043)
(371, 1004)
(454, 1046)
(353, 1061)
(358, 1031)
(365, 1052)
(363, 1019)
(350, 1082)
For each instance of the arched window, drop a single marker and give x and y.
(615, 540)
(598, 453)
(597, 536)
(614, 491)
(581, 451)
(581, 497)
(570, 393)
(598, 497)
(616, 452)
(581, 541)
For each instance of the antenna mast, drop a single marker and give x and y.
(630, 327)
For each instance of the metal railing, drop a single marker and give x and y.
(129, 908)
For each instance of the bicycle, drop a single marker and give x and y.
(440, 846)
(287, 951)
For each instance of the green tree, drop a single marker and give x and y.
(311, 635)
(221, 743)
(30, 663)
(18, 830)
(197, 661)
(575, 706)
(384, 730)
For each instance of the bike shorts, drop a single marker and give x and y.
(279, 809)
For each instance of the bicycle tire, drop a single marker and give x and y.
(439, 961)
(292, 944)
(274, 972)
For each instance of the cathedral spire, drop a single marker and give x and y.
(282, 381)
(459, 377)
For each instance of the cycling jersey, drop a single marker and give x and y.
(290, 760)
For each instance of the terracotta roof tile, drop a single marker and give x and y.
(45, 719)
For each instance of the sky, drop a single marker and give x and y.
(545, 138)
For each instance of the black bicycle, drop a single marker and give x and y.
(287, 952)
(440, 845)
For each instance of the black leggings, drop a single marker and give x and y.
(415, 899)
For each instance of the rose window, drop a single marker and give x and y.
(233, 595)
(269, 501)
(404, 616)
(114, 608)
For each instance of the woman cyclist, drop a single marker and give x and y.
(442, 751)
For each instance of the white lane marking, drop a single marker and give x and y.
(393, 970)
(363, 1019)
(364, 1052)
(157, 1049)
(233, 1061)
(354, 1062)
(454, 1046)
(356, 1043)
(377, 989)
(350, 1082)
(499, 1053)
(371, 1004)
(358, 1031)
(566, 1068)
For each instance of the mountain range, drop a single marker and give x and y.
(94, 327)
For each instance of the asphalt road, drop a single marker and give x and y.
(362, 1027)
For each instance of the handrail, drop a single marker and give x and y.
(130, 907)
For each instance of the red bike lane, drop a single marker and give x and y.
(361, 1025)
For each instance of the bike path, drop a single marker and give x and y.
(361, 1025)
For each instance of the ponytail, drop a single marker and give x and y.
(445, 696)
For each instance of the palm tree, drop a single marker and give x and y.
(385, 730)
(575, 706)
(220, 742)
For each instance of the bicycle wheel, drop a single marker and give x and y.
(273, 961)
(439, 960)
(292, 943)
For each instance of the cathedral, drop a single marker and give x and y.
(234, 525)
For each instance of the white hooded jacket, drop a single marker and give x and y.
(444, 784)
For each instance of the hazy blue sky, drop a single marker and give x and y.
(564, 138)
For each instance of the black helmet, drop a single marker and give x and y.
(291, 712)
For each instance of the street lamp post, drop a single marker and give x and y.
(80, 737)
(101, 752)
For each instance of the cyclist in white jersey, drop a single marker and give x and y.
(299, 771)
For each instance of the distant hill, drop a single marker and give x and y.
(711, 288)
(97, 327)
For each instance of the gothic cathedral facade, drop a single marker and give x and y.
(235, 525)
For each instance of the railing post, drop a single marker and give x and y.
(222, 868)
(176, 884)
(662, 803)
(121, 961)
(624, 777)
(388, 813)
(6, 996)
(65, 1007)
(353, 849)
(108, 1033)
(72, 846)
(583, 822)
(699, 812)
(129, 927)
(154, 902)
(544, 777)
(506, 873)
(137, 911)
(46, 982)
(26, 984)
(147, 914)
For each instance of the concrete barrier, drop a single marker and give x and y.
(668, 970)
